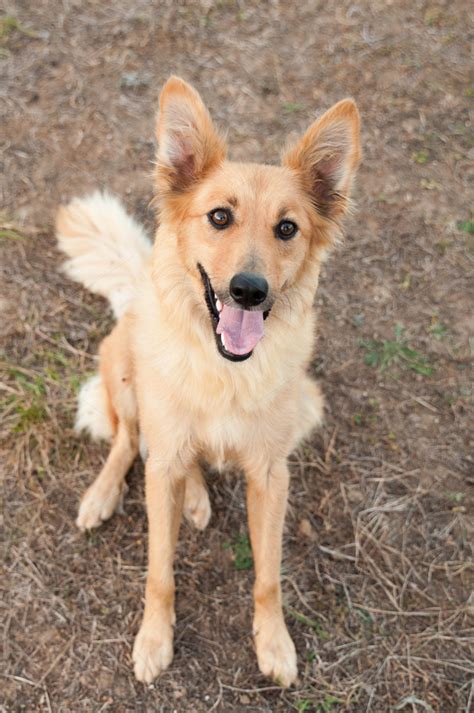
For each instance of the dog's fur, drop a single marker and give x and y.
(163, 385)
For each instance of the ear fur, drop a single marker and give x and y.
(188, 144)
(326, 157)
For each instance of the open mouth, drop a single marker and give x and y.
(236, 331)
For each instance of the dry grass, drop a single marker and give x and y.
(378, 570)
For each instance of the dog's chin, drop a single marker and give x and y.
(211, 302)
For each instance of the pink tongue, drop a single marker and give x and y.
(241, 329)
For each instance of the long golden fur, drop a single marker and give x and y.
(166, 386)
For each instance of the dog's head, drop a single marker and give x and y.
(247, 233)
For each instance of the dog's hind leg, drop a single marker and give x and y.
(105, 494)
(103, 497)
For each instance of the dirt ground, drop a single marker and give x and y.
(377, 574)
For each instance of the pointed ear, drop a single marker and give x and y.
(326, 158)
(188, 145)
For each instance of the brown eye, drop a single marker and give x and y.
(286, 229)
(220, 218)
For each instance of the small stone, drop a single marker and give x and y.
(306, 529)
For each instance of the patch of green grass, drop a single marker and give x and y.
(10, 235)
(34, 385)
(52, 374)
(291, 107)
(56, 357)
(437, 330)
(75, 382)
(387, 353)
(467, 226)
(29, 403)
(327, 705)
(242, 552)
(31, 407)
(10, 24)
(9, 229)
(29, 415)
(311, 623)
(422, 156)
(456, 497)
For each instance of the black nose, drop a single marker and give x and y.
(248, 289)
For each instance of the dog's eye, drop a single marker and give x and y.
(286, 229)
(220, 218)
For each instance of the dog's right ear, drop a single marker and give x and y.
(188, 144)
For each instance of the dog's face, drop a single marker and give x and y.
(246, 232)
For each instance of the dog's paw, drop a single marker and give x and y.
(98, 504)
(152, 652)
(197, 507)
(276, 652)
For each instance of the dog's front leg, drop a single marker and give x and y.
(267, 493)
(153, 649)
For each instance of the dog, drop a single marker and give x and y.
(214, 336)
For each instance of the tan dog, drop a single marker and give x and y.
(215, 332)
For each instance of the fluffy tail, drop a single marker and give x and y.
(108, 249)
(93, 413)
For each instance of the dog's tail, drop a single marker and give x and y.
(108, 250)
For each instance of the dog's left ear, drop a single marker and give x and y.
(189, 147)
(326, 158)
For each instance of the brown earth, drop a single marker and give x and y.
(377, 574)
